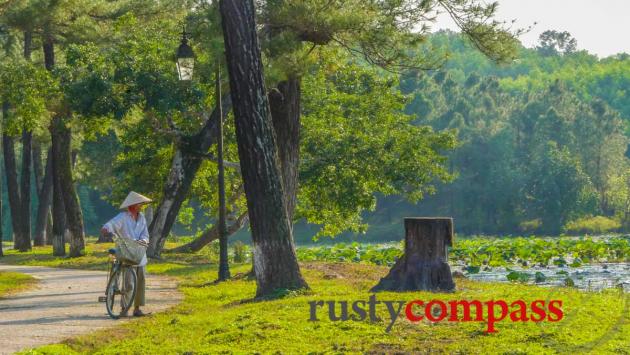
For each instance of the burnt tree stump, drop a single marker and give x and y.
(423, 267)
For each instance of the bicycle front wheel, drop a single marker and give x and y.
(121, 290)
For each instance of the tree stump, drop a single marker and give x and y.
(424, 265)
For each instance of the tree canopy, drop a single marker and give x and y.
(393, 116)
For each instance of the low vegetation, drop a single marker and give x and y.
(593, 225)
(11, 282)
(219, 318)
(489, 251)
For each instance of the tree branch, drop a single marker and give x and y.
(211, 235)
(213, 158)
(172, 131)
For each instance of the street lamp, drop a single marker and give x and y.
(185, 59)
(224, 266)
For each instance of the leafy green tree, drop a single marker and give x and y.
(357, 143)
(502, 134)
(619, 195)
(601, 147)
(560, 190)
(377, 33)
(275, 262)
(556, 43)
(293, 46)
(26, 91)
(60, 24)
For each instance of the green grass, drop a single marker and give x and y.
(12, 282)
(593, 225)
(222, 318)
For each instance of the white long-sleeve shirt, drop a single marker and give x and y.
(125, 226)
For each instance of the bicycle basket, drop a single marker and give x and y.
(129, 251)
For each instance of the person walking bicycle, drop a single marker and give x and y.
(131, 224)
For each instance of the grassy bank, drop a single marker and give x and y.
(223, 318)
(12, 282)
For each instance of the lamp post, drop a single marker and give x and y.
(224, 266)
(185, 66)
(185, 59)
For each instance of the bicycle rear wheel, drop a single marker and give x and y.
(121, 290)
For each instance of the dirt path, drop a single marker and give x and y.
(64, 304)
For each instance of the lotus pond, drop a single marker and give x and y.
(590, 263)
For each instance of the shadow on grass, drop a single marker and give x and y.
(278, 294)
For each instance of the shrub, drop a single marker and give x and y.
(592, 225)
(530, 226)
(241, 250)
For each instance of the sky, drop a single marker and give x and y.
(600, 26)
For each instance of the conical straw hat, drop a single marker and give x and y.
(134, 198)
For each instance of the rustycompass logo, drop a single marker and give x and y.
(490, 312)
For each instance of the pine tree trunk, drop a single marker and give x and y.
(27, 145)
(1, 197)
(48, 47)
(58, 212)
(38, 166)
(45, 188)
(275, 260)
(13, 190)
(284, 103)
(65, 197)
(184, 166)
(25, 186)
(1, 216)
(49, 223)
(74, 215)
(424, 265)
(177, 185)
(38, 175)
(148, 214)
(58, 209)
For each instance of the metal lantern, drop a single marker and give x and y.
(185, 59)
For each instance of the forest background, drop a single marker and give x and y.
(535, 146)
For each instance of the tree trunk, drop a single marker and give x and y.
(38, 167)
(58, 212)
(48, 47)
(148, 214)
(74, 215)
(27, 144)
(13, 189)
(424, 265)
(276, 265)
(284, 102)
(45, 189)
(49, 223)
(105, 238)
(28, 44)
(209, 236)
(1, 215)
(25, 185)
(184, 166)
(73, 163)
(58, 209)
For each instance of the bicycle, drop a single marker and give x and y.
(121, 281)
